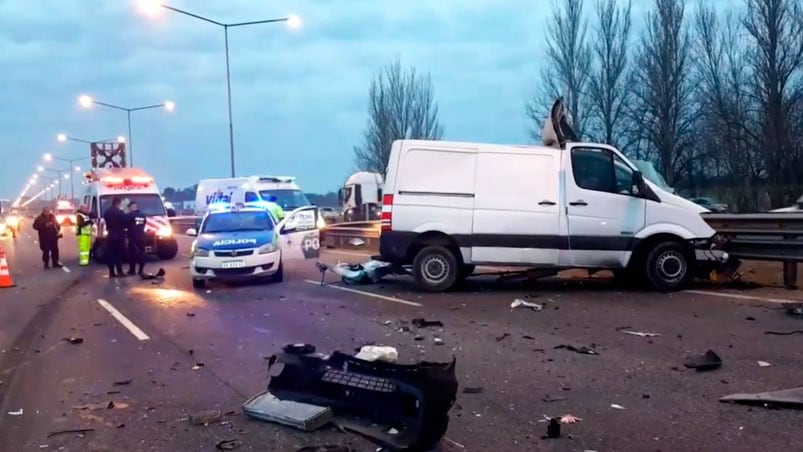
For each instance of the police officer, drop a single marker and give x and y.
(83, 231)
(136, 238)
(116, 220)
(275, 209)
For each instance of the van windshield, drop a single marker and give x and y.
(287, 199)
(651, 174)
(148, 204)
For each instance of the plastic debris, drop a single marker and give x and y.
(423, 323)
(763, 364)
(639, 333)
(228, 444)
(569, 419)
(784, 333)
(303, 416)
(74, 340)
(502, 337)
(206, 417)
(582, 349)
(473, 390)
(550, 399)
(16, 413)
(159, 274)
(708, 361)
(553, 428)
(365, 273)
(79, 431)
(328, 448)
(519, 303)
(795, 309)
(123, 382)
(617, 407)
(378, 353)
(197, 366)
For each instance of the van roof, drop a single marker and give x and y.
(465, 145)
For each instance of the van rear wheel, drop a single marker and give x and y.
(668, 266)
(435, 269)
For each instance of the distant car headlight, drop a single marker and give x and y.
(164, 231)
(267, 248)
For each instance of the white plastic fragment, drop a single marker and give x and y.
(763, 364)
(617, 407)
(640, 334)
(16, 413)
(378, 353)
(519, 303)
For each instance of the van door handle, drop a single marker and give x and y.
(579, 202)
(546, 202)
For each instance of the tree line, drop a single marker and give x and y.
(713, 99)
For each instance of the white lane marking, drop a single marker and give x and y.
(740, 297)
(66, 270)
(367, 294)
(129, 325)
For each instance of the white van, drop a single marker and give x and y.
(449, 206)
(251, 189)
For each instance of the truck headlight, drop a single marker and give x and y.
(164, 231)
(267, 248)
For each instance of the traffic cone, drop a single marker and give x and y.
(5, 275)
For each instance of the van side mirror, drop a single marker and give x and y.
(638, 181)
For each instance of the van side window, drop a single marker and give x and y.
(601, 170)
(93, 211)
(251, 197)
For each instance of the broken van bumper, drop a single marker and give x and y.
(712, 258)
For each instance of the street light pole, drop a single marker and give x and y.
(292, 21)
(87, 101)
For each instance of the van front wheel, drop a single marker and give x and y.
(668, 266)
(435, 269)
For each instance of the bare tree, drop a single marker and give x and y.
(401, 106)
(663, 100)
(728, 129)
(776, 31)
(566, 73)
(608, 93)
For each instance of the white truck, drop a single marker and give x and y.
(128, 184)
(361, 196)
(251, 189)
(449, 206)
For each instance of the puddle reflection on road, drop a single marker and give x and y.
(170, 298)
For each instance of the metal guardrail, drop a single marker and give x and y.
(776, 237)
(181, 224)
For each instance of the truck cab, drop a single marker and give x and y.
(361, 196)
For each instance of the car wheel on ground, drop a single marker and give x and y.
(668, 266)
(435, 269)
(198, 283)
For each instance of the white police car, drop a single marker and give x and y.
(244, 242)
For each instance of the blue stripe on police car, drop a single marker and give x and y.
(234, 240)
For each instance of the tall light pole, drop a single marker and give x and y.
(71, 167)
(86, 101)
(153, 8)
(59, 172)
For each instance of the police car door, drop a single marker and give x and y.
(298, 234)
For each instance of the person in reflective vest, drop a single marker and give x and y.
(83, 231)
(275, 209)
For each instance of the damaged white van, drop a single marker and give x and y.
(450, 206)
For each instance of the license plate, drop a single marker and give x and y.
(148, 249)
(232, 264)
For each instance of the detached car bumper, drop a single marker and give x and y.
(245, 267)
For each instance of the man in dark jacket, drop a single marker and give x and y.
(115, 222)
(136, 239)
(49, 231)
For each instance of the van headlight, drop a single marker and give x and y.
(267, 248)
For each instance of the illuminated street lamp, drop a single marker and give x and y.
(63, 138)
(153, 8)
(49, 158)
(86, 101)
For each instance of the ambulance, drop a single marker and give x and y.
(65, 213)
(128, 184)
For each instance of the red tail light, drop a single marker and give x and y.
(387, 213)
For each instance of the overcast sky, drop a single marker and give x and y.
(299, 96)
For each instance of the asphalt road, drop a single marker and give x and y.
(186, 351)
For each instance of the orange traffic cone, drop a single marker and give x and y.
(5, 275)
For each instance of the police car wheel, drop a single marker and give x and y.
(279, 275)
(198, 283)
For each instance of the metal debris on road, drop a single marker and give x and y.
(438, 341)
(423, 323)
(206, 417)
(190, 314)
(582, 349)
(795, 309)
(79, 431)
(708, 361)
(123, 382)
(639, 333)
(16, 413)
(74, 340)
(784, 333)
(110, 406)
(763, 364)
(197, 366)
(519, 303)
(378, 353)
(550, 399)
(617, 406)
(228, 444)
(784, 398)
(473, 390)
(502, 337)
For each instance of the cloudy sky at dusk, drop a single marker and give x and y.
(299, 96)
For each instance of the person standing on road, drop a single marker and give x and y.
(275, 209)
(136, 239)
(49, 231)
(83, 230)
(116, 221)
